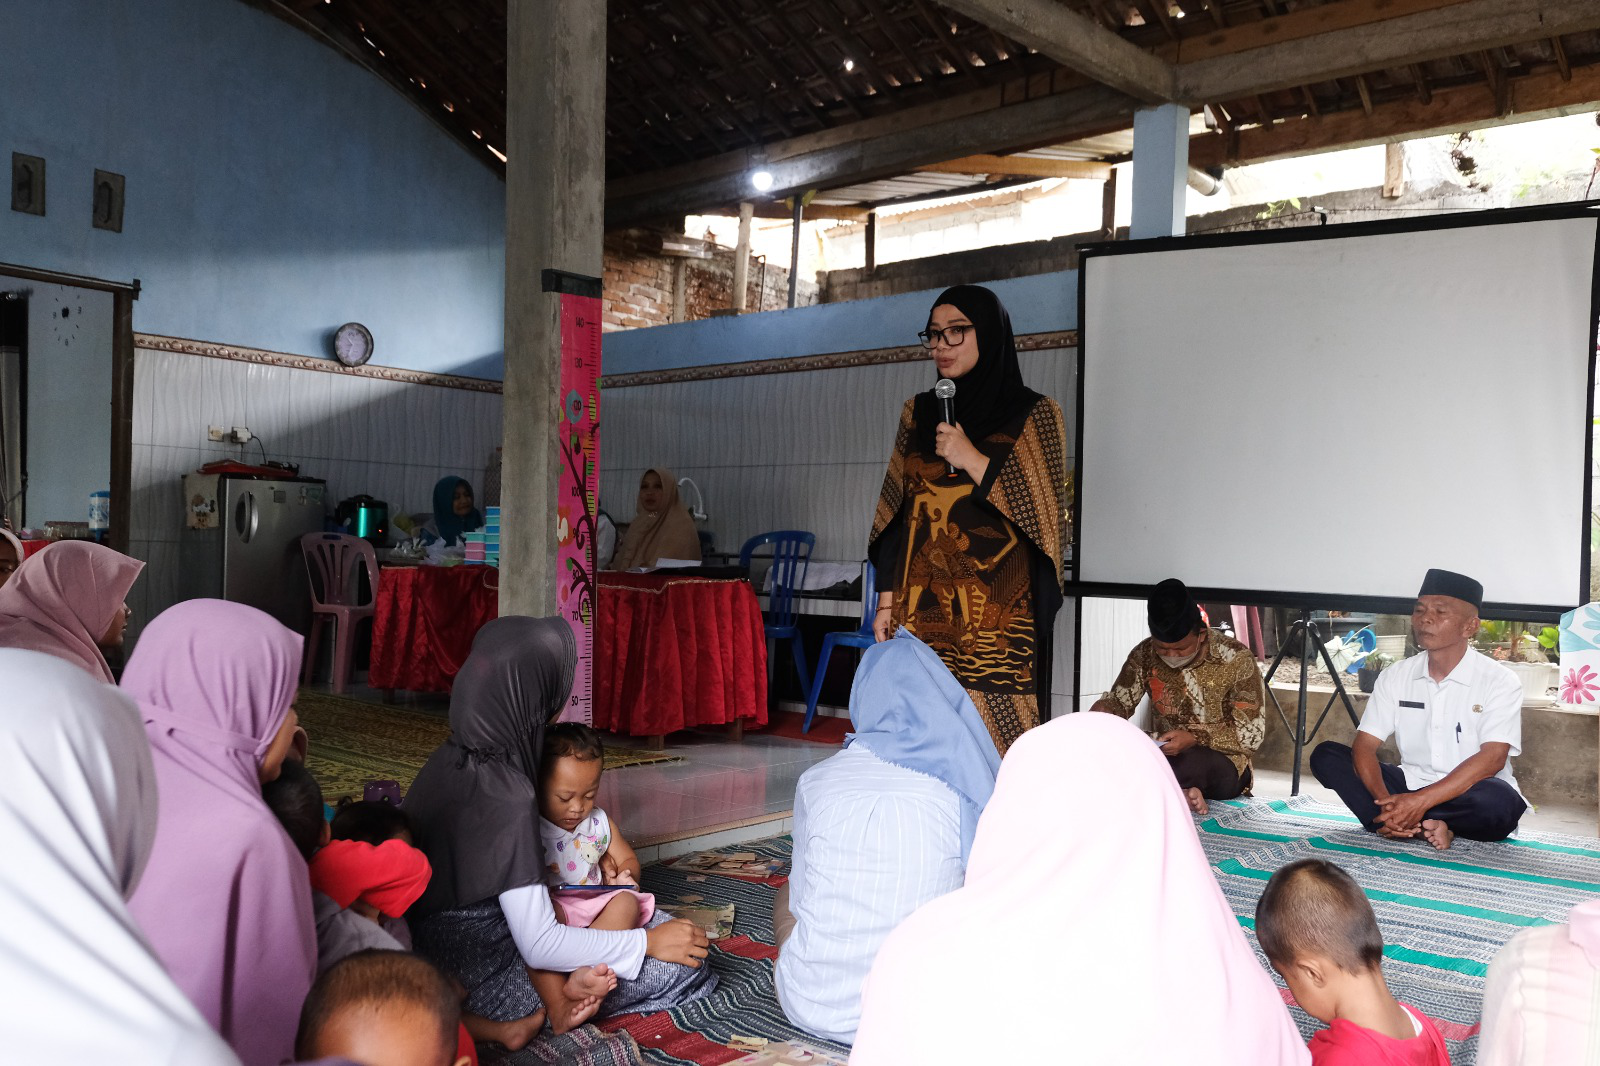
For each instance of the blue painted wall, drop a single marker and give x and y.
(274, 188)
(1038, 304)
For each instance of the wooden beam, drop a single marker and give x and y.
(1307, 22)
(780, 210)
(931, 114)
(865, 151)
(1055, 30)
(1021, 166)
(1453, 110)
(1467, 26)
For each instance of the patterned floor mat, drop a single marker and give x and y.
(353, 741)
(744, 1003)
(1444, 915)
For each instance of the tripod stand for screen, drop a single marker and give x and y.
(1310, 647)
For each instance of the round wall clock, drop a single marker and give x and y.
(352, 344)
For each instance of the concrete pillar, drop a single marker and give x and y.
(1394, 170)
(741, 259)
(555, 203)
(1160, 171)
(680, 290)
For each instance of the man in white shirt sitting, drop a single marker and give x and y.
(1456, 716)
(880, 828)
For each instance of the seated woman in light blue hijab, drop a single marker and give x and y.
(880, 828)
(454, 512)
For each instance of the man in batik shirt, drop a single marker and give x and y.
(1206, 697)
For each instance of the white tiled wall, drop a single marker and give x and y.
(790, 451)
(391, 440)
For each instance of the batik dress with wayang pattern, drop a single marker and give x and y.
(977, 566)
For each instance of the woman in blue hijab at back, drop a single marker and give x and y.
(454, 512)
(880, 828)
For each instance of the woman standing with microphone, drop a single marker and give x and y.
(971, 522)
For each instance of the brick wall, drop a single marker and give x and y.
(636, 282)
(640, 282)
(940, 271)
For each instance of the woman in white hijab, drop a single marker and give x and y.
(77, 820)
(1107, 938)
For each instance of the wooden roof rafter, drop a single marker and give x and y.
(700, 93)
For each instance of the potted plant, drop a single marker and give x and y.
(1371, 667)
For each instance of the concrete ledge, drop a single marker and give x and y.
(1560, 760)
(725, 834)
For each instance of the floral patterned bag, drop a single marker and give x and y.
(1580, 655)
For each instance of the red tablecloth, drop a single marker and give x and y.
(669, 652)
(424, 620)
(673, 652)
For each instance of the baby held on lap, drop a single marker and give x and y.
(582, 846)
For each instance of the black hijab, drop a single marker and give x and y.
(474, 808)
(991, 394)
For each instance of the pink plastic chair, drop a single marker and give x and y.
(331, 567)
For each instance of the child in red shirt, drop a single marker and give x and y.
(1319, 933)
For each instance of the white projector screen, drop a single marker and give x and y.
(1316, 421)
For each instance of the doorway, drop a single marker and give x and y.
(66, 397)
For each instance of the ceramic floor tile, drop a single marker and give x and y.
(752, 753)
(664, 812)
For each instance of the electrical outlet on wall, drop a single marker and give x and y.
(240, 435)
(216, 433)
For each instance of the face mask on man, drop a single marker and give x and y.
(1177, 662)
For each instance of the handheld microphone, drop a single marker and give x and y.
(945, 390)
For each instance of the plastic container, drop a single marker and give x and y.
(99, 511)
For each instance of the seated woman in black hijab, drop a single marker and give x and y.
(971, 522)
(486, 918)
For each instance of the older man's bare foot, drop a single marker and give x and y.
(1197, 802)
(1438, 833)
(587, 981)
(513, 1036)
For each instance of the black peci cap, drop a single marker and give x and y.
(1450, 583)
(1173, 612)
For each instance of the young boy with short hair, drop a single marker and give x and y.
(383, 1008)
(1319, 932)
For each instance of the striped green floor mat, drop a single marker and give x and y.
(1444, 915)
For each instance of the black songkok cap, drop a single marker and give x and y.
(1449, 583)
(1173, 612)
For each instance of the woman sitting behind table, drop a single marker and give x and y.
(661, 528)
(454, 512)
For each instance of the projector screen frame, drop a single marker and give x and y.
(1301, 600)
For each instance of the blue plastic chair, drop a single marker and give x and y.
(861, 638)
(791, 556)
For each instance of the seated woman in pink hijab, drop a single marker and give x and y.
(1109, 935)
(226, 899)
(68, 601)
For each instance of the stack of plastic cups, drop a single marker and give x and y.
(491, 536)
(473, 543)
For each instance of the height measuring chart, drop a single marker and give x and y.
(577, 506)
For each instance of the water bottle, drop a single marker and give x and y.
(99, 515)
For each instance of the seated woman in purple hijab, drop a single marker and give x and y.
(226, 899)
(486, 918)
